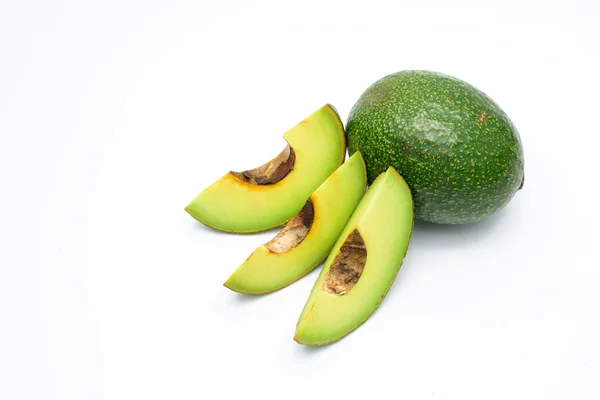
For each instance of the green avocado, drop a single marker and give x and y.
(362, 265)
(458, 151)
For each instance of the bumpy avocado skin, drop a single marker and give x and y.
(458, 151)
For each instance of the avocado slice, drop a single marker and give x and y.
(457, 149)
(362, 265)
(308, 237)
(267, 196)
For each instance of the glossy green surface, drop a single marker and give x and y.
(457, 150)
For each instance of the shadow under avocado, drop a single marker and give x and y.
(427, 236)
(243, 298)
(309, 351)
(430, 235)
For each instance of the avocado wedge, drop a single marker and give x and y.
(308, 237)
(362, 264)
(268, 196)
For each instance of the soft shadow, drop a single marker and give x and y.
(430, 235)
(243, 298)
(427, 236)
(309, 351)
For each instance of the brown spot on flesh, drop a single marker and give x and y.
(294, 232)
(347, 267)
(271, 172)
(482, 117)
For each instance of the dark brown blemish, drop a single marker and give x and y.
(347, 267)
(482, 117)
(271, 172)
(294, 232)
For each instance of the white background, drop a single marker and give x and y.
(114, 114)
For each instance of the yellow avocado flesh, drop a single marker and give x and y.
(234, 205)
(384, 219)
(333, 203)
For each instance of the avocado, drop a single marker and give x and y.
(362, 264)
(308, 237)
(458, 151)
(268, 196)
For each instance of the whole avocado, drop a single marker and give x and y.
(458, 151)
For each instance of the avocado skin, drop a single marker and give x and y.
(458, 151)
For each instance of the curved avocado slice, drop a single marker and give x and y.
(308, 237)
(268, 196)
(362, 265)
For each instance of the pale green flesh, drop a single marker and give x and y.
(384, 218)
(333, 202)
(233, 205)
